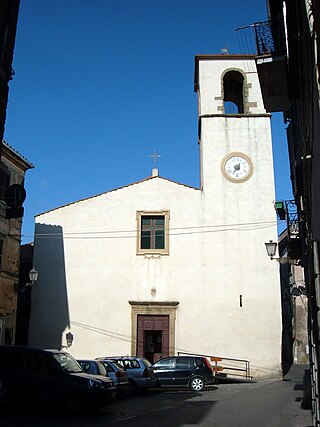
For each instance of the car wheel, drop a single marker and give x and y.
(73, 404)
(197, 384)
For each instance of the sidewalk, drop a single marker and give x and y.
(299, 375)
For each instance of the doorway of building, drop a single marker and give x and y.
(152, 345)
(153, 337)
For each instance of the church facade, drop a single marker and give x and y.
(157, 267)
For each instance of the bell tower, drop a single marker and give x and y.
(237, 207)
(236, 163)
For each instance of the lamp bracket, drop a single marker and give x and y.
(286, 260)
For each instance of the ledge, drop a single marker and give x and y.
(153, 303)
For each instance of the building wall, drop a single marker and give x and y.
(300, 320)
(9, 10)
(87, 280)
(10, 230)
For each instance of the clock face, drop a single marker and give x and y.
(237, 167)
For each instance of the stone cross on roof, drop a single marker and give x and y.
(155, 156)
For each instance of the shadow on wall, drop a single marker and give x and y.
(49, 302)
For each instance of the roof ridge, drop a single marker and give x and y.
(116, 189)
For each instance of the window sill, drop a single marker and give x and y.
(154, 253)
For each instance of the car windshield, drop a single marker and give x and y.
(68, 363)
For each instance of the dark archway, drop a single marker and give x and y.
(233, 92)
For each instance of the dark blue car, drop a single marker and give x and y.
(194, 372)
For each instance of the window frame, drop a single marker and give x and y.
(166, 215)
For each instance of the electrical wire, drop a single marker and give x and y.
(175, 231)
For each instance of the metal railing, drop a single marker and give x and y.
(226, 368)
(264, 39)
(256, 38)
(266, 35)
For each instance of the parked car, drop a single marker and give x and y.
(106, 368)
(38, 376)
(139, 370)
(184, 371)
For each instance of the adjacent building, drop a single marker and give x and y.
(9, 11)
(288, 68)
(294, 299)
(12, 171)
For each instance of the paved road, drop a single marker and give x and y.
(264, 404)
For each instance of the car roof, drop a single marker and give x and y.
(123, 357)
(181, 357)
(112, 361)
(25, 347)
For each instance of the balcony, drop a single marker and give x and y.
(272, 69)
(271, 62)
(288, 210)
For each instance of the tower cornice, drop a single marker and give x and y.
(208, 116)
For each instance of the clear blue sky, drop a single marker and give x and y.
(100, 84)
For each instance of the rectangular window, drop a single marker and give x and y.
(153, 232)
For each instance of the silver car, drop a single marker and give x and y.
(106, 368)
(139, 370)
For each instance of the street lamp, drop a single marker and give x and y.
(271, 248)
(33, 276)
(69, 339)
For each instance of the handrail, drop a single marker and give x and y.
(234, 371)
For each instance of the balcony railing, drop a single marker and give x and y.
(293, 226)
(257, 38)
(265, 38)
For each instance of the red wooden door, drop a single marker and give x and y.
(153, 323)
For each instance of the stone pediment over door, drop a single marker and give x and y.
(153, 309)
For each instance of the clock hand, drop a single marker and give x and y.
(236, 168)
